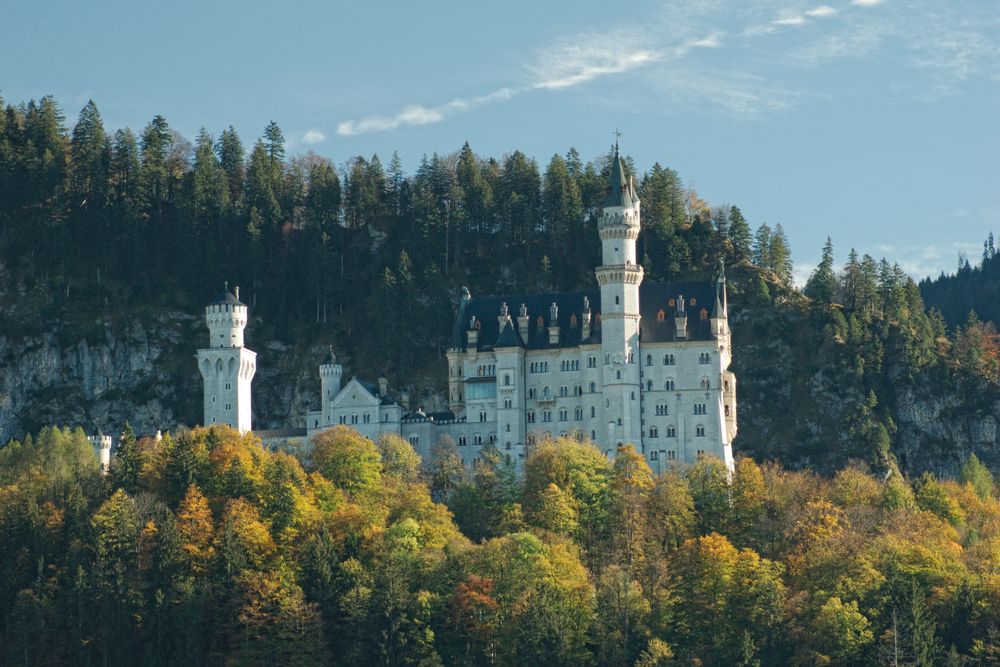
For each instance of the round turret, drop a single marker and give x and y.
(226, 317)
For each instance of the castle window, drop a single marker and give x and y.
(506, 380)
(706, 383)
(229, 386)
(367, 418)
(668, 360)
(653, 455)
(531, 392)
(619, 421)
(508, 428)
(616, 301)
(653, 432)
(545, 392)
(213, 399)
(649, 385)
(633, 395)
(546, 415)
(631, 360)
(700, 409)
(661, 409)
(593, 435)
(354, 419)
(531, 416)
(607, 402)
(477, 440)
(669, 385)
(593, 387)
(564, 391)
(671, 455)
(563, 414)
(343, 419)
(315, 423)
(671, 432)
(727, 411)
(593, 411)
(461, 441)
(414, 440)
(507, 404)
(700, 453)
(699, 431)
(704, 358)
(592, 361)
(482, 416)
(649, 360)
(229, 406)
(619, 374)
(578, 414)
(493, 438)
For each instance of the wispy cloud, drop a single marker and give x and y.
(823, 11)
(415, 114)
(313, 137)
(946, 47)
(557, 68)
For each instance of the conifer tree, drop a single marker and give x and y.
(90, 159)
(822, 283)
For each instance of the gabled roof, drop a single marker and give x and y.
(509, 336)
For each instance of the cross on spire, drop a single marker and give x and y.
(617, 134)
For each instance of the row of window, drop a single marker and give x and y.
(671, 431)
(365, 419)
(477, 440)
(486, 370)
(569, 365)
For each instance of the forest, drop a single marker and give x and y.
(205, 548)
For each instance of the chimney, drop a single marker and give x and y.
(553, 324)
(522, 322)
(383, 387)
(237, 293)
(503, 316)
(585, 331)
(473, 333)
(680, 319)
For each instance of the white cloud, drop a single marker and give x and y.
(586, 59)
(790, 19)
(313, 137)
(822, 11)
(415, 114)
(866, 3)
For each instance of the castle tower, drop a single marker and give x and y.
(619, 277)
(226, 366)
(330, 375)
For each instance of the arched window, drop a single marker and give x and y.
(618, 374)
(668, 360)
(506, 380)
(531, 392)
(653, 432)
(593, 387)
(593, 411)
(706, 383)
(649, 360)
(699, 431)
(545, 392)
(669, 384)
(649, 385)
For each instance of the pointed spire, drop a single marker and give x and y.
(619, 192)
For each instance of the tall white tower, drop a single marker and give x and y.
(226, 366)
(619, 278)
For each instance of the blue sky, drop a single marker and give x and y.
(876, 122)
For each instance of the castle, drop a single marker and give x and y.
(630, 362)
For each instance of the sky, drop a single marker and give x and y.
(874, 122)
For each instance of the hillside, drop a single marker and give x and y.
(111, 245)
(971, 288)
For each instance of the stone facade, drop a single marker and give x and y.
(630, 362)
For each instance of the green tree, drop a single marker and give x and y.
(822, 284)
(978, 476)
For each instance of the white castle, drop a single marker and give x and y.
(631, 362)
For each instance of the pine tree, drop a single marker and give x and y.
(154, 150)
(781, 255)
(126, 465)
(90, 158)
(210, 194)
(229, 151)
(739, 235)
(822, 283)
(762, 255)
